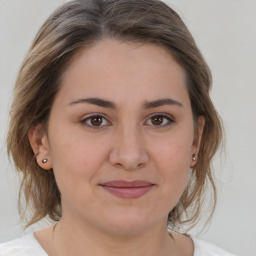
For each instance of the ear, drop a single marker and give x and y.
(197, 139)
(39, 143)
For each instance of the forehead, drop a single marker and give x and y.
(116, 69)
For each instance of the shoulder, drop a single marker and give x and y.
(24, 246)
(202, 248)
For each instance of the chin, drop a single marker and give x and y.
(128, 224)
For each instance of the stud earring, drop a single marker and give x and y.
(44, 161)
(194, 157)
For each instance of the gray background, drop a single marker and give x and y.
(225, 31)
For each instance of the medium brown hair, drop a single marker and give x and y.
(80, 23)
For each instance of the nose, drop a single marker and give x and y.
(129, 150)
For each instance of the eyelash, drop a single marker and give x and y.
(167, 119)
(89, 118)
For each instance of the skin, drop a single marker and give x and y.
(127, 145)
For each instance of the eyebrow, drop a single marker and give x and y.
(95, 101)
(112, 105)
(162, 102)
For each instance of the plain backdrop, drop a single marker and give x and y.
(225, 31)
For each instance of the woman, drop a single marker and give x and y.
(113, 130)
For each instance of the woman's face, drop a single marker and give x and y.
(121, 137)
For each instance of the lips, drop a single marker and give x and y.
(128, 189)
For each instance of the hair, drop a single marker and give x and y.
(80, 23)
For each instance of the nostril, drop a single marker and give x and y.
(128, 163)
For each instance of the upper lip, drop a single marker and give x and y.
(127, 184)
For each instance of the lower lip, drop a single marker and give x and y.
(133, 192)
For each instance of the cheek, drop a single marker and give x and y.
(173, 152)
(174, 167)
(174, 170)
(76, 160)
(173, 163)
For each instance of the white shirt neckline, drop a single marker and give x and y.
(28, 245)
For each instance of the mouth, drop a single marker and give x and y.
(128, 189)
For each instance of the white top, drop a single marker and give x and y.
(29, 246)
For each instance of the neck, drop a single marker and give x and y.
(76, 239)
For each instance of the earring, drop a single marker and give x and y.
(194, 157)
(44, 161)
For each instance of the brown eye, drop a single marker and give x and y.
(157, 120)
(160, 120)
(96, 120)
